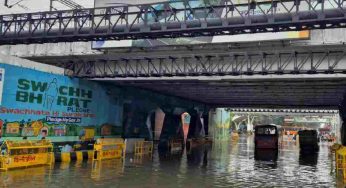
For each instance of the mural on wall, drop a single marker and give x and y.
(43, 104)
(220, 123)
(1, 125)
(185, 118)
(2, 76)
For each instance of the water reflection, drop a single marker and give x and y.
(308, 158)
(198, 156)
(224, 164)
(266, 156)
(98, 168)
(14, 178)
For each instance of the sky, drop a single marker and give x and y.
(23, 6)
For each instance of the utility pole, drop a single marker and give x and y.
(50, 5)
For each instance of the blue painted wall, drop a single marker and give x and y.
(29, 96)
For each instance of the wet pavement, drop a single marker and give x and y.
(225, 164)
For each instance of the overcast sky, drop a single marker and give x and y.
(22, 6)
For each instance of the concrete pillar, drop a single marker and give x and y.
(135, 122)
(172, 127)
(159, 118)
(219, 124)
(206, 122)
(196, 126)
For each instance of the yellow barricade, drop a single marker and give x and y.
(79, 155)
(16, 154)
(340, 162)
(176, 145)
(143, 148)
(335, 147)
(66, 157)
(109, 148)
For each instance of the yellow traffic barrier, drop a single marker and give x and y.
(17, 154)
(176, 145)
(90, 154)
(65, 157)
(340, 162)
(79, 155)
(109, 148)
(335, 147)
(143, 147)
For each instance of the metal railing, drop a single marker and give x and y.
(187, 18)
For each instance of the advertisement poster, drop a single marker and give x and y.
(40, 103)
(195, 40)
(2, 76)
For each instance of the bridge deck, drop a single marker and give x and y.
(171, 19)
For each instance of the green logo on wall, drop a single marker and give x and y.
(49, 93)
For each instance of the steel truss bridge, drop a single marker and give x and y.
(187, 18)
(322, 61)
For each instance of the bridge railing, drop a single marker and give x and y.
(171, 19)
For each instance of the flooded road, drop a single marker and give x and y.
(225, 164)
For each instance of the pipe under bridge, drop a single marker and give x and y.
(187, 18)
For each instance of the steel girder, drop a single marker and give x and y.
(257, 63)
(171, 19)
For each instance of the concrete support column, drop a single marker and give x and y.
(196, 129)
(250, 121)
(172, 127)
(206, 122)
(136, 121)
(219, 124)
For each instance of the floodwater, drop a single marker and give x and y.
(225, 164)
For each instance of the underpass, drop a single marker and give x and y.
(175, 93)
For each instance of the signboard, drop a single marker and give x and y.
(195, 40)
(37, 99)
(2, 76)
